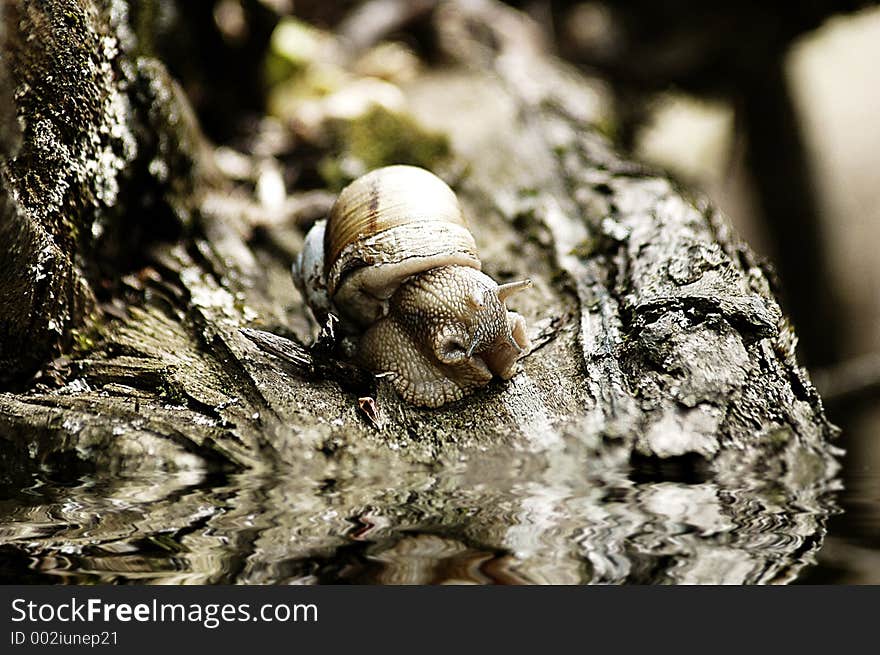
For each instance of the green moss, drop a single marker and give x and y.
(774, 495)
(82, 341)
(294, 60)
(85, 338)
(586, 248)
(779, 437)
(171, 394)
(167, 543)
(295, 41)
(607, 127)
(381, 137)
(334, 173)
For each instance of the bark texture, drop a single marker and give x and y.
(662, 374)
(89, 120)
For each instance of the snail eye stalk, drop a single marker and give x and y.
(506, 290)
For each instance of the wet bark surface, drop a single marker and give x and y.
(661, 429)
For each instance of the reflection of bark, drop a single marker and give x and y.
(405, 526)
(658, 339)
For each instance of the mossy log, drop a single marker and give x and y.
(658, 343)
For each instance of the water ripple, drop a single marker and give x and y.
(520, 520)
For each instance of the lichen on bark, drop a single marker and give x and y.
(85, 119)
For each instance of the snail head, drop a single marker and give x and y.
(458, 317)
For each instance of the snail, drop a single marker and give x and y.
(397, 263)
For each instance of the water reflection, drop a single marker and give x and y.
(851, 552)
(523, 520)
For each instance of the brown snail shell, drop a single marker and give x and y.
(396, 260)
(385, 226)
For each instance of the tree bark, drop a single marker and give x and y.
(661, 364)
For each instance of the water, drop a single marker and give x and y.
(523, 519)
(851, 551)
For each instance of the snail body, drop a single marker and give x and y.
(396, 261)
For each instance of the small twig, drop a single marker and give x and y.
(282, 347)
(370, 409)
(311, 362)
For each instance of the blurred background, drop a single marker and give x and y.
(770, 109)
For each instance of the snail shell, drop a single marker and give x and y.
(386, 226)
(396, 260)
